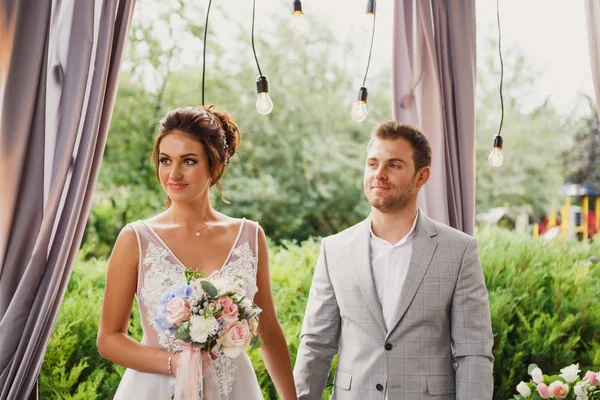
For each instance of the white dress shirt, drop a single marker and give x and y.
(389, 263)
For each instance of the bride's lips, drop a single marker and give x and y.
(177, 186)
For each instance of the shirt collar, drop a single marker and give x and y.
(401, 241)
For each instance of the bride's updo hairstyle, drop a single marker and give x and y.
(213, 129)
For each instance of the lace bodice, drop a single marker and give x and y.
(159, 268)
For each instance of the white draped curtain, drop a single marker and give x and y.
(59, 69)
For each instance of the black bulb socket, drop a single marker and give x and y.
(371, 7)
(498, 142)
(262, 84)
(297, 6)
(362, 94)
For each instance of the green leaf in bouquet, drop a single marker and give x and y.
(531, 367)
(256, 342)
(210, 289)
(183, 333)
(535, 396)
(553, 378)
(191, 275)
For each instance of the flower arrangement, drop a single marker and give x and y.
(209, 317)
(567, 385)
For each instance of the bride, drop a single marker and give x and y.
(191, 155)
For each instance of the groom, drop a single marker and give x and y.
(400, 296)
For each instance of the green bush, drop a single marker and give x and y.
(542, 300)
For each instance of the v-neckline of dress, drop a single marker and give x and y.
(216, 271)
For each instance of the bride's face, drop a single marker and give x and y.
(183, 168)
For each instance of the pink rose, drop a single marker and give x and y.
(197, 286)
(559, 389)
(591, 377)
(178, 310)
(230, 310)
(543, 390)
(236, 338)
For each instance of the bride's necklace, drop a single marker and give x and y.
(198, 232)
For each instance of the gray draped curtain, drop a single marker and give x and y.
(592, 16)
(434, 72)
(59, 69)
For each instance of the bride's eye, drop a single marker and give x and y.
(190, 161)
(164, 160)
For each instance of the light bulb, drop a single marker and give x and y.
(495, 158)
(359, 110)
(298, 22)
(367, 21)
(264, 105)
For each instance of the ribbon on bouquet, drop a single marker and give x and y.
(193, 365)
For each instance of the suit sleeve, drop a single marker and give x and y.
(319, 338)
(472, 337)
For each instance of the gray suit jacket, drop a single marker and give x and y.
(440, 346)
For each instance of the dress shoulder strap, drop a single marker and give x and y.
(249, 234)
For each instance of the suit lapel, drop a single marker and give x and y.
(359, 248)
(423, 247)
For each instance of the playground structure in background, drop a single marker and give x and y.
(573, 220)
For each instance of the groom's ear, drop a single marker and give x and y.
(423, 176)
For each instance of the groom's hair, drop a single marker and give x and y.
(393, 130)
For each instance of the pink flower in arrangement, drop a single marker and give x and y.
(235, 339)
(591, 377)
(178, 310)
(230, 310)
(543, 390)
(558, 389)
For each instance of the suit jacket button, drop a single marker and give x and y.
(388, 346)
(379, 387)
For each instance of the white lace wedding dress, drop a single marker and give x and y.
(234, 379)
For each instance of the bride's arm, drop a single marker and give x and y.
(274, 350)
(121, 281)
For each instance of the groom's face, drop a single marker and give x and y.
(390, 179)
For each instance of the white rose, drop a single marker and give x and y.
(222, 285)
(524, 389)
(246, 303)
(580, 392)
(201, 328)
(570, 373)
(537, 376)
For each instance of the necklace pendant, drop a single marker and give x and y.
(198, 233)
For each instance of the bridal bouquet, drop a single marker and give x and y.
(566, 385)
(210, 317)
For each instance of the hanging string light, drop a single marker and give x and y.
(204, 49)
(359, 110)
(298, 22)
(495, 158)
(264, 105)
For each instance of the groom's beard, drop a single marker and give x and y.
(394, 201)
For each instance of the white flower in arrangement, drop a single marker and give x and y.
(580, 392)
(570, 373)
(223, 285)
(201, 328)
(524, 389)
(537, 376)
